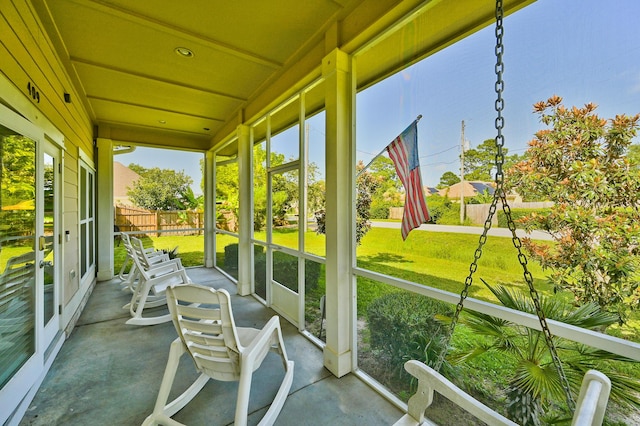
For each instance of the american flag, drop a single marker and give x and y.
(404, 153)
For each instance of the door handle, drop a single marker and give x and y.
(44, 263)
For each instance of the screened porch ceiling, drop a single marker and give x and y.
(246, 56)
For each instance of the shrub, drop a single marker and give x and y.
(403, 326)
(231, 257)
(287, 267)
(380, 210)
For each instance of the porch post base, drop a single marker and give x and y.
(338, 364)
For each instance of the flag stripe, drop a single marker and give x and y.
(403, 151)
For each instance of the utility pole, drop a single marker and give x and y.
(462, 174)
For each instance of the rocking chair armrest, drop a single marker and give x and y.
(255, 352)
(593, 399)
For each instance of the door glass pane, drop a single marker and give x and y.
(285, 209)
(285, 270)
(17, 251)
(83, 191)
(316, 188)
(90, 243)
(260, 270)
(49, 233)
(83, 253)
(314, 284)
(260, 191)
(227, 254)
(90, 196)
(87, 222)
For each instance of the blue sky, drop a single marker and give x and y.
(582, 50)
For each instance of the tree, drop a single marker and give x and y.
(161, 189)
(366, 184)
(284, 187)
(634, 156)
(389, 190)
(580, 164)
(479, 162)
(316, 189)
(447, 179)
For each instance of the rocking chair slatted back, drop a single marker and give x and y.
(147, 257)
(206, 326)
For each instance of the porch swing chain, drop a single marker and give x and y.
(499, 194)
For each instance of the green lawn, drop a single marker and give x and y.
(436, 259)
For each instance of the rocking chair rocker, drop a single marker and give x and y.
(204, 321)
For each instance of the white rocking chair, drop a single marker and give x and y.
(153, 256)
(592, 402)
(149, 292)
(204, 321)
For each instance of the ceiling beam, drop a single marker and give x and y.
(165, 27)
(154, 79)
(98, 98)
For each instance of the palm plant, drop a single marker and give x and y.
(534, 385)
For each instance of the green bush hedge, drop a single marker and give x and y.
(403, 326)
(517, 214)
(231, 256)
(379, 210)
(287, 267)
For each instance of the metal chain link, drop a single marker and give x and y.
(499, 194)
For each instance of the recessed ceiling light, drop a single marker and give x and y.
(184, 52)
(162, 121)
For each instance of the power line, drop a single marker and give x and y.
(441, 163)
(438, 153)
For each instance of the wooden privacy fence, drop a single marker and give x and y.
(478, 213)
(177, 222)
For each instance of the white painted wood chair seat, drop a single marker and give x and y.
(207, 332)
(590, 409)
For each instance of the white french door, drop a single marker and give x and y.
(30, 282)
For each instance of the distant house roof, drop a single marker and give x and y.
(471, 189)
(123, 180)
(430, 190)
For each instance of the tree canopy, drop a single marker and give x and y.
(447, 179)
(162, 189)
(580, 163)
(479, 162)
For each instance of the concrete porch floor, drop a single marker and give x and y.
(109, 373)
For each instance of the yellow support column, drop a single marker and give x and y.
(339, 98)
(245, 208)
